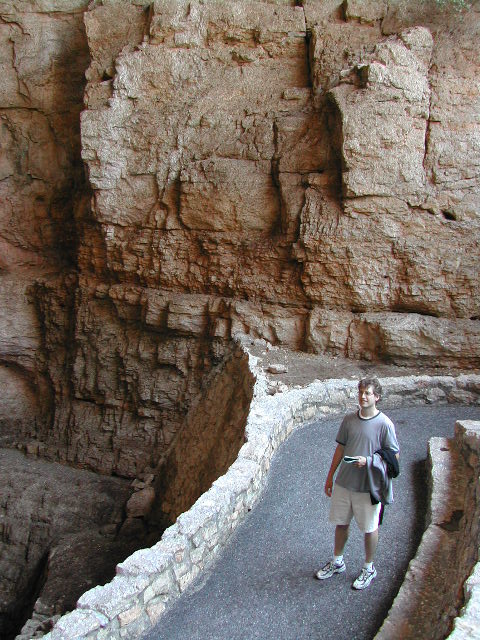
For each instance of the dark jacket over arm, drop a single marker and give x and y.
(381, 468)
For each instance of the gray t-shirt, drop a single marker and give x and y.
(362, 437)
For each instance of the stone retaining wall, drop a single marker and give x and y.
(440, 578)
(150, 580)
(467, 624)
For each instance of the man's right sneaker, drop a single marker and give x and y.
(328, 570)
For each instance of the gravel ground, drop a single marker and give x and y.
(263, 585)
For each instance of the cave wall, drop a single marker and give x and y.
(43, 57)
(174, 174)
(177, 173)
(54, 520)
(208, 441)
(218, 168)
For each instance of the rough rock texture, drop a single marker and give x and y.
(46, 511)
(298, 173)
(150, 580)
(177, 173)
(208, 443)
(428, 605)
(43, 57)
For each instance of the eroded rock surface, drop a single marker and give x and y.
(299, 173)
(47, 511)
(174, 174)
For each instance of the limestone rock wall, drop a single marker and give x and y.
(52, 518)
(174, 174)
(294, 157)
(277, 170)
(43, 57)
(208, 442)
(306, 173)
(132, 383)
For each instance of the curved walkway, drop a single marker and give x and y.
(262, 585)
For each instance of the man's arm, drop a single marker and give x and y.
(337, 458)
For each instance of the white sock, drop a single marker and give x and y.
(338, 559)
(368, 566)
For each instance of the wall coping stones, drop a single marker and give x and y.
(114, 597)
(146, 562)
(426, 602)
(149, 581)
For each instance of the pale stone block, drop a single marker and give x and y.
(114, 597)
(110, 633)
(197, 518)
(210, 531)
(238, 477)
(77, 624)
(471, 611)
(474, 577)
(126, 617)
(155, 610)
(464, 630)
(197, 555)
(197, 540)
(187, 578)
(256, 448)
(308, 413)
(180, 569)
(213, 543)
(164, 584)
(146, 561)
(136, 628)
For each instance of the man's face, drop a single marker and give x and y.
(367, 397)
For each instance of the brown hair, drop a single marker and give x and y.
(371, 382)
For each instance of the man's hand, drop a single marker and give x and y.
(361, 462)
(329, 486)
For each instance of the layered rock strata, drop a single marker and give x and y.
(307, 175)
(44, 54)
(268, 169)
(256, 167)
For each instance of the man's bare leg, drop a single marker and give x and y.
(371, 541)
(341, 537)
(336, 565)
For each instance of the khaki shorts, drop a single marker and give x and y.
(346, 504)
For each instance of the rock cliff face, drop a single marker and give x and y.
(305, 174)
(53, 521)
(175, 173)
(300, 173)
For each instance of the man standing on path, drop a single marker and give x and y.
(361, 434)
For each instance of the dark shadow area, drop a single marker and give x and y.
(419, 482)
(15, 616)
(60, 534)
(208, 442)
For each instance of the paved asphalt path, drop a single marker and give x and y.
(262, 585)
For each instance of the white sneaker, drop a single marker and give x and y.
(365, 578)
(329, 569)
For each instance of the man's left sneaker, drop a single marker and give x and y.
(365, 578)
